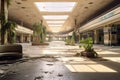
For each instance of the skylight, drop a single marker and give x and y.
(55, 6)
(55, 25)
(55, 17)
(52, 22)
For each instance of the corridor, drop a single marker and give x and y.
(57, 61)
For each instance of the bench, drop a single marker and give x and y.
(11, 51)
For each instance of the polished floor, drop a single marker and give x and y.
(57, 62)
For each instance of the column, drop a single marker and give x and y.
(96, 36)
(4, 19)
(110, 35)
(21, 38)
(113, 35)
(29, 38)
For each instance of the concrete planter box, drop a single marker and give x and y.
(35, 44)
(89, 54)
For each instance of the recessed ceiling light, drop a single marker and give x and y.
(23, 7)
(86, 7)
(18, 2)
(90, 3)
(55, 17)
(55, 6)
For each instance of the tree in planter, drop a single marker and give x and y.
(42, 34)
(68, 40)
(39, 33)
(36, 30)
(73, 38)
(88, 48)
(9, 30)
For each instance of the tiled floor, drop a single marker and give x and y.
(64, 66)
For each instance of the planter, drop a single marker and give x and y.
(89, 54)
(67, 44)
(37, 44)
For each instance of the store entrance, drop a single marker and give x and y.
(118, 34)
(101, 36)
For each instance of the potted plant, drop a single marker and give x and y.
(39, 34)
(42, 34)
(11, 32)
(88, 48)
(68, 40)
(73, 38)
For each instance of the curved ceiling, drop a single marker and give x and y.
(26, 13)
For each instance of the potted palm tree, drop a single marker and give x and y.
(42, 34)
(39, 34)
(88, 48)
(68, 40)
(11, 32)
(73, 39)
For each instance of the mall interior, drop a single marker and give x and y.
(96, 19)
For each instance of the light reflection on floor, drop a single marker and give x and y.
(114, 59)
(90, 68)
(110, 55)
(77, 64)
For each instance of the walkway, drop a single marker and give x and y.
(58, 62)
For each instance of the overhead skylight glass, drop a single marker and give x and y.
(55, 17)
(57, 22)
(55, 25)
(55, 6)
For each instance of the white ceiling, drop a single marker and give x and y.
(26, 12)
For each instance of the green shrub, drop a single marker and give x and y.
(87, 44)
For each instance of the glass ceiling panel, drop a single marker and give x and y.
(49, 22)
(55, 6)
(55, 25)
(52, 17)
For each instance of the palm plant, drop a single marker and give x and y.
(10, 27)
(73, 38)
(8, 2)
(88, 44)
(42, 34)
(68, 40)
(39, 31)
(88, 48)
(36, 28)
(9, 30)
